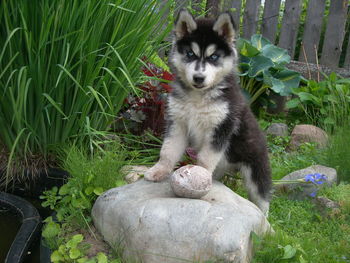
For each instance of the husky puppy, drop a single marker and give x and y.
(207, 110)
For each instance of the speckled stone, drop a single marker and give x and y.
(191, 181)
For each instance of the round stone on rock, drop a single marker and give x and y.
(191, 181)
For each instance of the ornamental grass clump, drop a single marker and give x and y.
(65, 70)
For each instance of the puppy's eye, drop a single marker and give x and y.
(190, 54)
(213, 57)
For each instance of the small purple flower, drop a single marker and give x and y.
(315, 178)
(313, 194)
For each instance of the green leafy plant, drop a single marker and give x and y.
(263, 68)
(75, 251)
(277, 247)
(90, 176)
(327, 103)
(66, 68)
(52, 198)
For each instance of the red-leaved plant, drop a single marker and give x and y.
(147, 111)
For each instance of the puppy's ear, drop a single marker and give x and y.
(184, 24)
(224, 26)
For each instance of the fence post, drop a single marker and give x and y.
(213, 7)
(228, 5)
(250, 20)
(335, 31)
(312, 30)
(290, 25)
(270, 19)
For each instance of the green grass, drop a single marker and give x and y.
(318, 237)
(337, 154)
(283, 162)
(89, 177)
(65, 70)
(304, 233)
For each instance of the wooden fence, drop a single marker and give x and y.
(319, 38)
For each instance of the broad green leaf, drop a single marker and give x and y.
(278, 55)
(258, 64)
(290, 79)
(75, 240)
(86, 260)
(289, 252)
(119, 183)
(51, 230)
(64, 190)
(305, 96)
(66, 199)
(62, 249)
(246, 49)
(89, 190)
(259, 41)
(78, 238)
(56, 257)
(76, 202)
(293, 103)
(101, 258)
(243, 69)
(45, 204)
(98, 190)
(74, 253)
(83, 260)
(275, 84)
(279, 87)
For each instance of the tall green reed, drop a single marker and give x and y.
(65, 69)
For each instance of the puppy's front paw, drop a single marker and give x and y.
(157, 173)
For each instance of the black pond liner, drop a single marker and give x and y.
(30, 189)
(29, 230)
(35, 186)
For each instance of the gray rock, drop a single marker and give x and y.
(154, 226)
(301, 190)
(308, 133)
(326, 202)
(191, 181)
(278, 129)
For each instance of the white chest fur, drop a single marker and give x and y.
(199, 114)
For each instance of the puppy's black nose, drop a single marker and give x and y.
(198, 79)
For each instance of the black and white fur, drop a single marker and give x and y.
(207, 110)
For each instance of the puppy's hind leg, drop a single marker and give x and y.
(258, 184)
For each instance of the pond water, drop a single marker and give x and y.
(9, 226)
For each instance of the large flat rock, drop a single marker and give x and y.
(152, 225)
